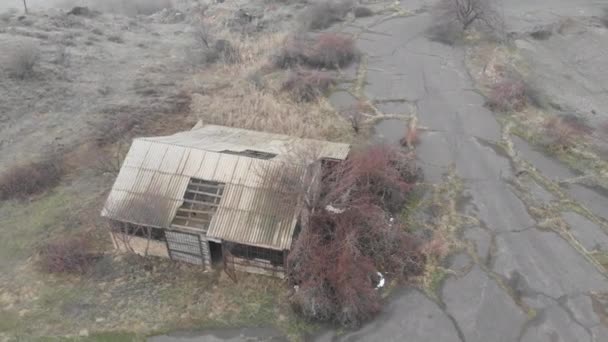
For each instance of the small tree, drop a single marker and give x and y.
(467, 12)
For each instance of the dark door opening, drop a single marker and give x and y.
(215, 249)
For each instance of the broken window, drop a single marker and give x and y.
(201, 201)
(252, 154)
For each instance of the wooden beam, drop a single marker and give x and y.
(192, 218)
(201, 203)
(203, 193)
(197, 211)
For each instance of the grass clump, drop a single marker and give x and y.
(308, 85)
(28, 179)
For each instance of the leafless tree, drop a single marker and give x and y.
(467, 12)
(25, 6)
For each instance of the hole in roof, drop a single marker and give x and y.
(251, 154)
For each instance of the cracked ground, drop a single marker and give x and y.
(524, 267)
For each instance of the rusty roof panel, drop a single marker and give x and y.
(253, 210)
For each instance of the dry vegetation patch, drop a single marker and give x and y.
(323, 14)
(563, 132)
(22, 61)
(362, 11)
(68, 255)
(22, 181)
(507, 95)
(326, 50)
(308, 85)
(255, 96)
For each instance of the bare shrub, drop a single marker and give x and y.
(361, 11)
(327, 50)
(507, 95)
(294, 51)
(468, 12)
(203, 35)
(227, 52)
(350, 236)
(333, 50)
(541, 34)
(355, 115)
(115, 38)
(448, 33)
(454, 17)
(113, 130)
(322, 15)
(308, 85)
(23, 60)
(68, 255)
(28, 179)
(564, 131)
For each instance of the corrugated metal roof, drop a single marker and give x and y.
(253, 210)
(220, 138)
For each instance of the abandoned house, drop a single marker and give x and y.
(213, 196)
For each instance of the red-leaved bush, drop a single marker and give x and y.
(351, 235)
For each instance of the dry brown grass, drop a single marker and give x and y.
(236, 102)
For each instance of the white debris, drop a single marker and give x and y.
(381, 281)
(333, 209)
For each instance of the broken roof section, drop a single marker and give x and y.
(253, 210)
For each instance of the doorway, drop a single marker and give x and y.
(215, 249)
